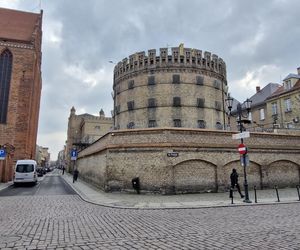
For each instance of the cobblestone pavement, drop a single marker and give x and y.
(68, 222)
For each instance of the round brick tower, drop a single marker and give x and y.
(186, 88)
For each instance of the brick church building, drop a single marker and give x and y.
(20, 86)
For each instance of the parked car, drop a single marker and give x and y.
(25, 172)
(40, 171)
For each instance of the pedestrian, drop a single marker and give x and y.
(63, 170)
(75, 175)
(234, 183)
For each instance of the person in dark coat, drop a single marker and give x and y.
(75, 175)
(234, 177)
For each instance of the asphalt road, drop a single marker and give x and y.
(48, 185)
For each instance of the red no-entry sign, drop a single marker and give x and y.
(242, 149)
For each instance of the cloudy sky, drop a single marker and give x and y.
(258, 40)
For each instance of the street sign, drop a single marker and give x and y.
(242, 135)
(74, 155)
(2, 154)
(242, 149)
(172, 154)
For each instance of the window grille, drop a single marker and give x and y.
(151, 80)
(130, 125)
(152, 124)
(201, 124)
(176, 101)
(151, 103)
(177, 123)
(131, 84)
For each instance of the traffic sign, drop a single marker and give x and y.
(242, 149)
(242, 135)
(74, 155)
(2, 154)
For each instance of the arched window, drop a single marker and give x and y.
(5, 76)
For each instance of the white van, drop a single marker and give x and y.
(25, 171)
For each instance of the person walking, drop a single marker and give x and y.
(234, 183)
(63, 170)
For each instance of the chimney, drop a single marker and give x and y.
(257, 89)
(298, 70)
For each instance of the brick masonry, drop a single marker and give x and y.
(205, 160)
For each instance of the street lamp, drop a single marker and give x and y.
(241, 119)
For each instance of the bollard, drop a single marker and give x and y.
(298, 191)
(277, 193)
(255, 194)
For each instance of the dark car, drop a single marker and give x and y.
(40, 171)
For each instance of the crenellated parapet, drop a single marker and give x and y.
(176, 57)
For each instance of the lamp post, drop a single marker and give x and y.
(241, 121)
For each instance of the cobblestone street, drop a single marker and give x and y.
(67, 222)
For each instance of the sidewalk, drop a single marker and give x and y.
(157, 201)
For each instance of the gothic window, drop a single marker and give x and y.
(176, 102)
(176, 79)
(5, 76)
(151, 80)
(200, 102)
(177, 123)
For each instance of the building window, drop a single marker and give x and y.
(177, 123)
(151, 80)
(200, 102)
(288, 105)
(288, 85)
(217, 84)
(130, 105)
(5, 76)
(117, 109)
(151, 103)
(261, 114)
(218, 105)
(176, 101)
(274, 108)
(201, 124)
(176, 79)
(199, 80)
(131, 84)
(130, 125)
(152, 124)
(219, 126)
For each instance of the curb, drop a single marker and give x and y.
(86, 199)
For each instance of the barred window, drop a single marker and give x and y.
(5, 76)
(152, 124)
(201, 124)
(176, 79)
(219, 126)
(131, 84)
(151, 80)
(176, 101)
(199, 80)
(218, 105)
(151, 103)
(200, 102)
(130, 105)
(177, 123)
(217, 84)
(130, 125)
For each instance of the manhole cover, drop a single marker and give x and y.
(9, 239)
